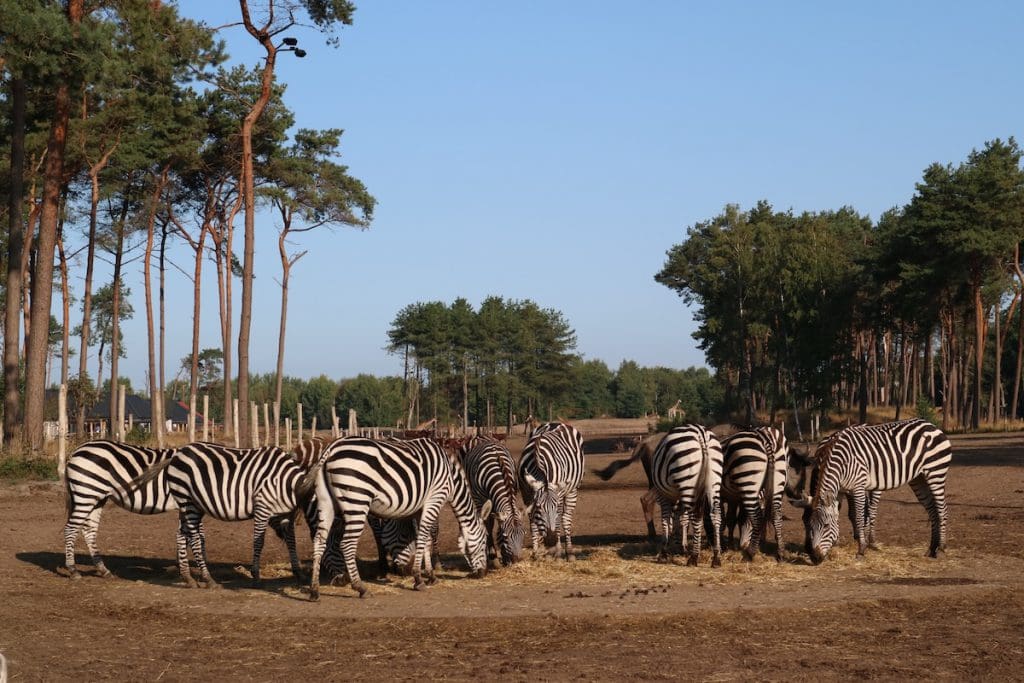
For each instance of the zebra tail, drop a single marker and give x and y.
(705, 466)
(148, 475)
(609, 472)
(306, 486)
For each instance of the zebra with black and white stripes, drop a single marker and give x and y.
(859, 461)
(101, 471)
(550, 473)
(264, 484)
(753, 480)
(686, 471)
(492, 477)
(393, 479)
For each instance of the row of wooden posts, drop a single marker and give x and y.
(120, 428)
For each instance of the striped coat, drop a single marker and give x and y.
(550, 473)
(686, 472)
(859, 460)
(98, 472)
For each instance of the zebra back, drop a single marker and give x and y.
(225, 482)
(687, 464)
(553, 456)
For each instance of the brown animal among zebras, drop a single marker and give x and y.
(643, 453)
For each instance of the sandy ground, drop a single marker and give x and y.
(613, 614)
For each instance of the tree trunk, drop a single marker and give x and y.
(65, 308)
(147, 268)
(115, 323)
(163, 331)
(42, 280)
(15, 245)
(249, 194)
(979, 355)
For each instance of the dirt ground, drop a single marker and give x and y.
(613, 614)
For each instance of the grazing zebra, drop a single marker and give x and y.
(550, 472)
(99, 471)
(233, 484)
(858, 461)
(395, 538)
(753, 480)
(492, 477)
(393, 479)
(686, 470)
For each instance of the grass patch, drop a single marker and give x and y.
(13, 468)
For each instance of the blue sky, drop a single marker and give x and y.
(555, 151)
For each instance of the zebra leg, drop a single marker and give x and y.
(194, 520)
(667, 514)
(568, 513)
(696, 519)
(260, 519)
(857, 506)
(649, 504)
(184, 539)
(89, 531)
(492, 555)
(716, 530)
(78, 514)
(777, 523)
(755, 523)
(932, 497)
(325, 521)
(424, 541)
(355, 520)
(870, 516)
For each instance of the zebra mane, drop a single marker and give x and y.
(822, 456)
(509, 475)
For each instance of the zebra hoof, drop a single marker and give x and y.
(314, 595)
(716, 561)
(692, 562)
(211, 585)
(189, 583)
(363, 592)
(570, 557)
(431, 580)
(73, 574)
(749, 555)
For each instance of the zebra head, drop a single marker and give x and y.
(473, 543)
(511, 535)
(544, 514)
(823, 529)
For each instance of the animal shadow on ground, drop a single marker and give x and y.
(152, 570)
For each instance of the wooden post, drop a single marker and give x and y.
(121, 389)
(352, 426)
(312, 430)
(266, 423)
(288, 432)
(131, 422)
(192, 418)
(277, 424)
(334, 423)
(62, 431)
(299, 409)
(254, 423)
(206, 417)
(234, 420)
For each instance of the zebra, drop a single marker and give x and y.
(753, 480)
(100, 471)
(491, 472)
(393, 479)
(395, 538)
(864, 460)
(550, 472)
(232, 484)
(686, 470)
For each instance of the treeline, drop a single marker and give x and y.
(592, 390)
(124, 136)
(828, 309)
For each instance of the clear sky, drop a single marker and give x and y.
(555, 150)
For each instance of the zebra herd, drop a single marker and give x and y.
(692, 476)
(398, 488)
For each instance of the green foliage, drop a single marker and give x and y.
(925, 410)
(15, 468)
(317, 397)
(377, 401)
(138, 436)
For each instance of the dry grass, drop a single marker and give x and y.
(632, 566)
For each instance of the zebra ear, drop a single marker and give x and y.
(485, 511)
